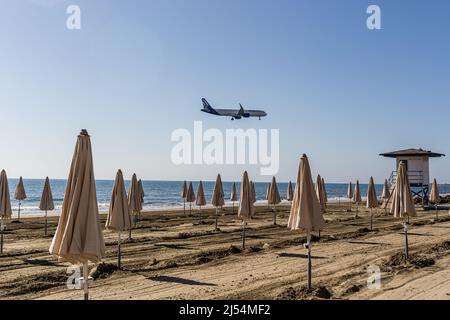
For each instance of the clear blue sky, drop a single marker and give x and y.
(137, 70)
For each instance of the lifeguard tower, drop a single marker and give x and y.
(418, 167)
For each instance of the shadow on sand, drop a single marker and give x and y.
(298, 255)
(180, 281)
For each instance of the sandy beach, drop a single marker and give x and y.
(173, 256)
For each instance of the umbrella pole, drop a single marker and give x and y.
(232, 207)
(243, 234)
(86, 281)
(2, 228)
(436, 207)
(200, 221)
(308, 247)
(216, 228)
(184, 206)
(18, 213)
(45, 229)
(371, 219)
(274, 216)
(118, 252)
(405, 227)
(190, 208)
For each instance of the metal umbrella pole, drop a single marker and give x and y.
(405, 228)
(307, 246)
(18, 212)
(86, 281)
(243, 234)
(45, 229)
(118, 253)
(2, 228)
(216, 228)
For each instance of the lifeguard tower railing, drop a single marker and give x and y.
(415, 178)
(419, 187)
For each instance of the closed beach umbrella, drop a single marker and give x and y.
(46, 203)
(5, 205)
(274, 198)
(325, 195)
(320, 194)
(434, 195)
(402, 202)
(142, 195)
(386, 193)
(20, 195)
(134, 200)
(305, 212)
(233, 196)
(245, 211)
(190, 196)
(267, 194)
(357, 197)
(350, 194)
(119, 218)
(372, 200)
(253, 191)
(183, 195)
(200, 200)
(78, 237)
(217, 199)
(289, 192)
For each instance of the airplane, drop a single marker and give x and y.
(234, 114)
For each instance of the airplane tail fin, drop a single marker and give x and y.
(206, 104)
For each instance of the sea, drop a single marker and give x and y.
(159, 195)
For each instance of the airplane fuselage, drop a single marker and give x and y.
(233, 113)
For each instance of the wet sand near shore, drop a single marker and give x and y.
(173, 256)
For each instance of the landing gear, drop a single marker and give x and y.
(232, 119)
(259, 118)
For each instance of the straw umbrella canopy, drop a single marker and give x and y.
(190, 196)
(78, 237)
(320, 193)
(434, 195)
(350, 194)
(5, 205)
(20, 195)
(274, 198)
(245, 211)
(217, 199)
(46, 203)
(233, 196)
(119, 218)
(305, 212)
(402, 202)
(372, 200)
(200, 200)
(289, 192)
(183, 195)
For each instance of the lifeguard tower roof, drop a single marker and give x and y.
(412, 153)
